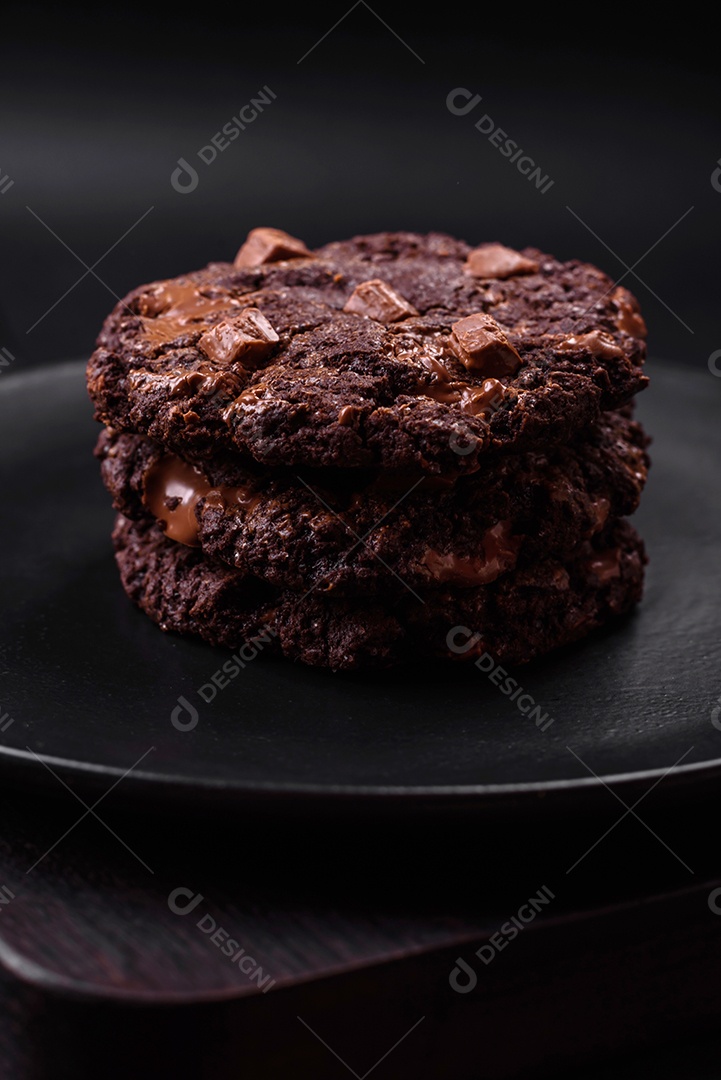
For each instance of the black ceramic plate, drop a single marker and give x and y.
(89, 684)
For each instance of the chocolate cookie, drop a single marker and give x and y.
(521, 615)
(395, 350)
(348, 531)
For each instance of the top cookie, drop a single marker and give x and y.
(394, 349)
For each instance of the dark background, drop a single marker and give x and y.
(99, 107)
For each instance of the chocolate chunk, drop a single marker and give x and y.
(249, 338)
(474, 400)
(379, 301)
(497, 261)
(500, 553)
(151, 304)
(443, 388)
(482, 399)
(172, 490)
(178, 308)
(481, 345)
(629, 318)
(596, 342)
(269, 245)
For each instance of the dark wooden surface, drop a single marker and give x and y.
(360, 929)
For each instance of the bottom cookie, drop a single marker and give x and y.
(519, 616)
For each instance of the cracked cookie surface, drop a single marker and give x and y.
(397, 349)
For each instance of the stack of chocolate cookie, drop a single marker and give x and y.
(393, 447)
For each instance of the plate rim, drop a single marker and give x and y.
(365, 793)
